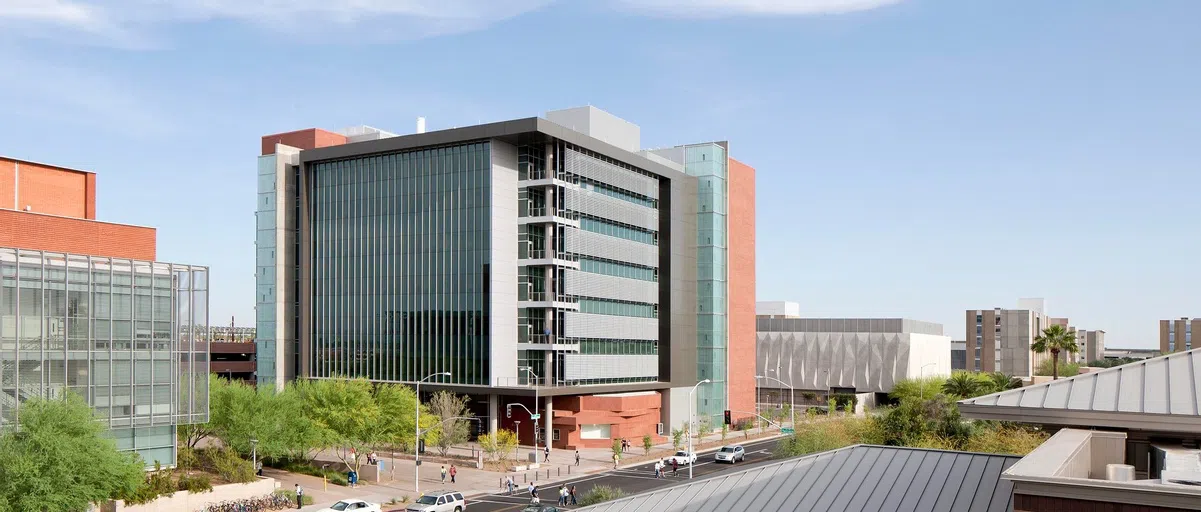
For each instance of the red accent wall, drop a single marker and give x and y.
(741, 243)
(47, 189)
(630, 417)
(76, 236)
(310, 138)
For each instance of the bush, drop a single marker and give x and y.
(1065, 369)
(916, 388)
(158, 482)
(647, 443)
(601, 494)
(303, 468)
(846, 401)
(194, 483)
(187, 458)
(291, 495)
(1015, 440)
(226, 463)
(808, 395)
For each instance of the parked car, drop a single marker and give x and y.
(682, 458)
(352, 504)
(540, 508)
(439, 501)
(730, 454)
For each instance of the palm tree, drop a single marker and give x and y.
(962, 384)
(1055, 339)
(999, 381)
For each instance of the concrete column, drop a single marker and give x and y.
(547, 417)
(549, 373)
(550, 160)
(493, 413)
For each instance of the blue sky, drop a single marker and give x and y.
(915, 157)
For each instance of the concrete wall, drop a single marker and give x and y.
(503, 292)
(866, 362)
(185, 501)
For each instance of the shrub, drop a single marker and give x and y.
(187, 458)
(158, 482)
(334, 477)
(647, 443)
(601, 494)
(846, 401)
(677, 438)
(291, 495)
(1015, 440)
(916, 388)
(194, 483)
(808, 395)
(226, 463)
(1065, 369)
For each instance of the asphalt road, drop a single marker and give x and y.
(632, 479)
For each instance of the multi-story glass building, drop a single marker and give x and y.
(126, 335)
(534, 254)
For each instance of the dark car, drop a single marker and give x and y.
(540, 508)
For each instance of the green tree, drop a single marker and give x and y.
(704, 427)
(397, 405)
(647, 444)
(59, 459)
(964, 385)
(506, 441)
(347, 412)
(677, 437)
(1055, 339)
(616, 447)
(998, 381)
(445, 406)
(725, 431)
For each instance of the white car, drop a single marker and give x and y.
(439, 501)
(682, 458)
(352, 504)
(730, 454)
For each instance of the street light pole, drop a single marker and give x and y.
(691, 413)
(417, 433)
(922, 372)
(533, 383)
(254, 455)
(791, 396)
(517, 449)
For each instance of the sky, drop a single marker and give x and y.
(915, 158)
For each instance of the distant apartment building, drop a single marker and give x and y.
(999, 339)
(1177, 335)
(1090, 345)
(861, 355)
(85, 309)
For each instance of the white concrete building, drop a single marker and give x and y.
(864, 355)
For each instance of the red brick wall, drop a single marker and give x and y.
(311, 138)
(629, 417)
(741, 243)
(1029, 503)
(77, 236)
(47, 189)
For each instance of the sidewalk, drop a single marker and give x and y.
(397, 478)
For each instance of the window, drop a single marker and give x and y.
(554, 434)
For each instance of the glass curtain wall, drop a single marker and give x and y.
(265, 271)
(130, 337)
(709, 164)
(399, 259)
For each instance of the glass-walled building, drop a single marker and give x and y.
(128, 336)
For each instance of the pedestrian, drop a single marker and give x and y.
(509, 481)
(299, 496)
(656, 469)
(616, 458)
(444, 474)
(562, 495)
(675, 466)
(453, 471)
(577, 457)
(547, 452)
(533, 490)
(572, 494)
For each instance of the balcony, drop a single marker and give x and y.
(544, 215)
(547, 300)
(543, 257)
(224, 367)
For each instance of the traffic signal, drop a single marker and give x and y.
(728, 422)
(508, 411)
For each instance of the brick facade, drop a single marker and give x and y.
(76, 236)
(311, 138)
(628, 415)
(1029, 503)
(741, 243)
(47, 189)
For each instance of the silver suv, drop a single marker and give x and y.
(439, 501)
(730, 454)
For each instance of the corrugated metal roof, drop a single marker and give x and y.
(857, 478)
(1161, 393)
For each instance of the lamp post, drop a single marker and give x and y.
(535, 386)
(691, 412)
(254, 455)
(922, 373)
(324, 479)
(417, 433)
(791, 395)
(517, 432)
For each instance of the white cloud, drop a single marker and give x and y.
(134, 22)
(712, 8)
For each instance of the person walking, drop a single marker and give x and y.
(656, 469)
(509, 481)
(546, 457)
(444, 474)
(577, 457)
(533, 490)
(299, 496)
(616, 458)
(562, 495)
(453, 471)
(572, 494)
(675, 466)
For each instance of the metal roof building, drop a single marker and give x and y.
(856, 478)
(1159, 394)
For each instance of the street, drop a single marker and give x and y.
(632, 480)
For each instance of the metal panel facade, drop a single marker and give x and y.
(577, 367)
(587, 284)
(600, 205)
(610, 247)
(594, 168)
(587, 325)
